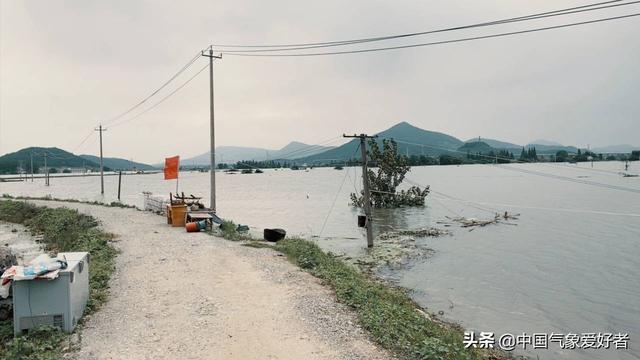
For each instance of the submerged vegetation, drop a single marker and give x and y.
(389, 174)
(62, 230)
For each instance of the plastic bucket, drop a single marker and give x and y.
(192, 227)
(362, 220)
(202, 225)
(178, 214)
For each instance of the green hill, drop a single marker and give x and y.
(476, 147)
(56, 159)
(118, 164)
(551, 149)
(497, 144)
(411, 140)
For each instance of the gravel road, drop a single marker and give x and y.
(178, 295)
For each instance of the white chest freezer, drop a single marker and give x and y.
(59, 302)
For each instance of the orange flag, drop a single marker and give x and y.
(171, 167)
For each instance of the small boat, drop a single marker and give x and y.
(338, 167)
(247, 171)
(274, 235)
(258, 171)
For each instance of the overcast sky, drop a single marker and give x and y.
(68, 65)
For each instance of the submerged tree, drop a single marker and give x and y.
(389, 174)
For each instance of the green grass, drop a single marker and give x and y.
(386, 312)
(50, 198)
(62, 230)
(228, 231)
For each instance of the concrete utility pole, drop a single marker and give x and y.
(101, 130)
(365, 179)
(212, 128)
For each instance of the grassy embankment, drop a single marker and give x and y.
(50, 198)
(62, 230)
(394, 321)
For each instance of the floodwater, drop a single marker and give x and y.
(570, 265)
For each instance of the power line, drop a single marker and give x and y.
(559, 177)
(494, 157)
(161, 100)
(333, 204)
(436, 42)
(578, 181)
(83, 141)
(300, 152)
(380, 38)
(185, 67)
(562, 12)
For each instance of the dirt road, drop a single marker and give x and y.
(178, 295)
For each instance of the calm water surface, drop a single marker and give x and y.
(572, 263)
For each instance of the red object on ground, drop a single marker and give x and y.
(192, 227)
(171, 167)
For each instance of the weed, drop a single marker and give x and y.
(62, 230)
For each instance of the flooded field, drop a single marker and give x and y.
(570, 264)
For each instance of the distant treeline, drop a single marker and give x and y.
(499, 156)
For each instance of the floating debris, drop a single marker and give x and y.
(473, 222)
(396, 248)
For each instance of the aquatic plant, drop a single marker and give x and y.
(389, 174)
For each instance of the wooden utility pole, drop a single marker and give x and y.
(365, 180)
(119, 183)
(46, 170)
(101, 130)
(212, 128)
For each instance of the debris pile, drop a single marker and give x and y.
(396, 248)
(473, 222)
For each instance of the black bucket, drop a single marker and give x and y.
(362, 220)
(274, 235)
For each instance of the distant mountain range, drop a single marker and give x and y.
(21, 159)
(118, 164)
(616, 149)
(543, 147)
(497, 144)
(57, 158)
(410, 139)
(545, 142)
(233, 154)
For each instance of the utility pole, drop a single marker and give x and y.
(46, 170)
(212, 127)
(365, 179)
(101, 130)
(31, 155)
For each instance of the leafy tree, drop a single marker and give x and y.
(390, 173)
(523, 154)
(449, 160)
(562, 156)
